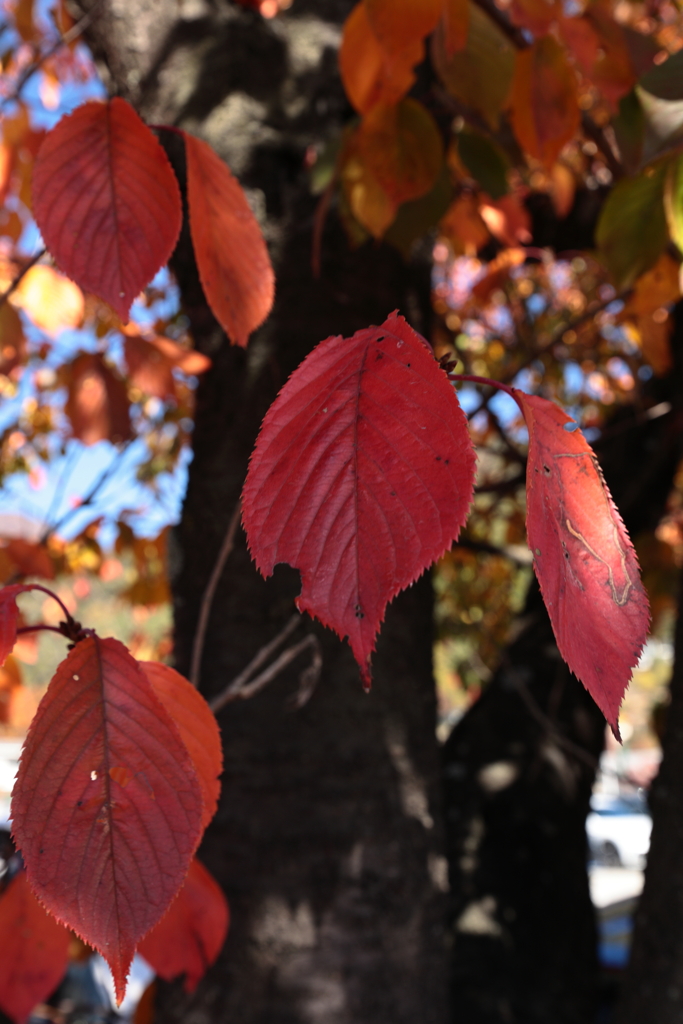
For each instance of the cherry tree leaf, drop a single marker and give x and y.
(398, 23)
(583, 557)
(97, 401)
(9, 616)
(545, 110)
(106, 201)
(402, 147)
(191, 934)
(107, 807)
(197, 726)
(361, 476)
(369, 72)
(232, 258)
(35, 951)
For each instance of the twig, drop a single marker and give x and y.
(240, 689)
(69, 466)
(4, 296)
(91, 495)
(207, 598)
(74, 32)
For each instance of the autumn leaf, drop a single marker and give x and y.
(35, 951)
(97, 403)
(107, 807)
(456, 23)
(191, 934)
(401, 145)
(28, 558)
(197, 727)
(106, 201)
(631, 232)
(51, 301)
(151, 362)
(369, 72)
(480, 75)
(544, 101)
(361, 476)
(9, 617)
(583, 557)
(369, 203)
(536, 15)
(397, 23)
(232, 258)
(673, 200)
(12, 340)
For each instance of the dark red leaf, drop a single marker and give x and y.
(362, 475)
(191, 934)
(232, 258)
(107, 807)
(35, 951)
(197, 726)
(9, 615)
(97, 402)
(106, 201)
(583, 557)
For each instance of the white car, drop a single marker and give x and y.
(618, 830)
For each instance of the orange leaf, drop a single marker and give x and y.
(536, 15)
(463, 225)
(12, 340)
(507, 219)
(106, 201)
(50, 299)
(97, 404)
(545, 111)
(232, 258)
(197, 727)
(6, 166)
(456, 22)
(104, 858)
(657, 287)
(583, 557)
(190, 936)
(9, 617)
(151, 362)
(35, 951)
(401, 146)
(369, 72)
(29, 559)
(398, 23)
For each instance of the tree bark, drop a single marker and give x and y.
(328, 840)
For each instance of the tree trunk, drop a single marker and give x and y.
(328, 840)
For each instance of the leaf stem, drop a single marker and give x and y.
(484, 381)
(39, 625)
(67, 614)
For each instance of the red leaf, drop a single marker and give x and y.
(151, 362)
(9, 615)
(106, 201)
(35, 951)
(197, 726)
(362, 475)
(232, 258)
(190, 936)
(583, 558)
(106, 807)
(97, 403)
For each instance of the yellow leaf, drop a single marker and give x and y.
(658, 287)
(50, 299)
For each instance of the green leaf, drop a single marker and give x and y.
(629, 129)
(673, 200)
(485, 161)
(663, 124)
(631, 232)
(480, 75)
(414, 219)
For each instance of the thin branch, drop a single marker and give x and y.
(69, 37)
(4, 296)
(262, 655)
(33, 629)
(112, 468)
(207, 599)
(514, 34)
(241, 689)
